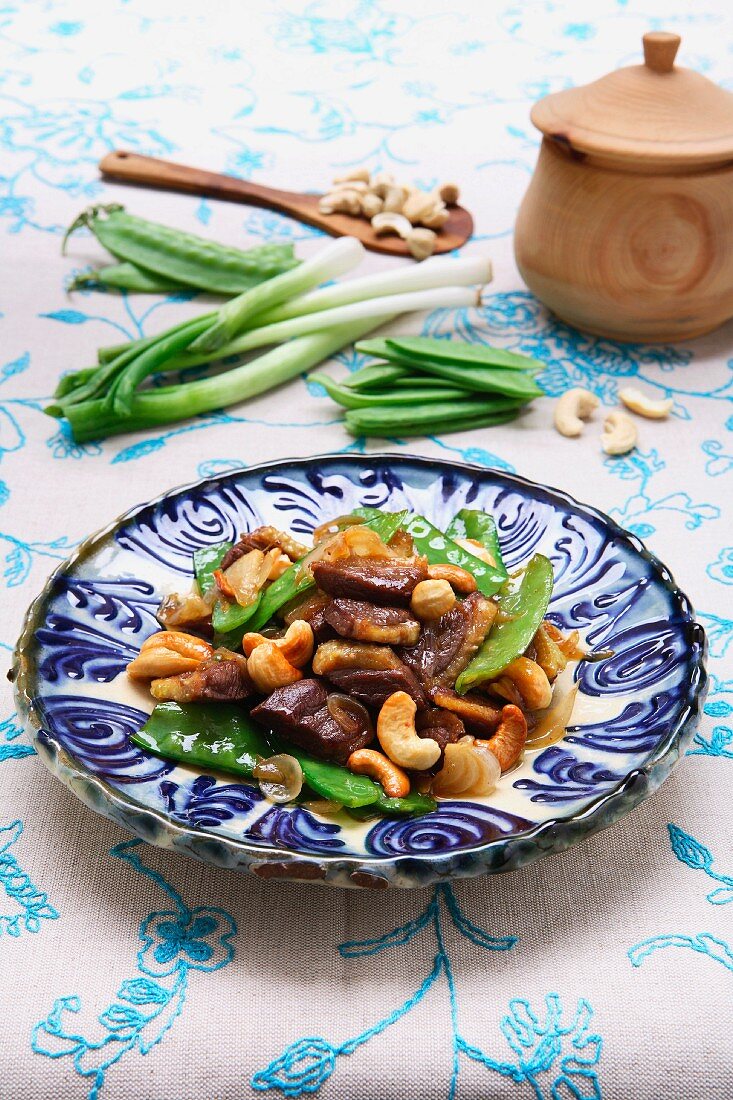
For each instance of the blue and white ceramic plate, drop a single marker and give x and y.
(633, 718)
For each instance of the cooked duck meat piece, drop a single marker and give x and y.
(313, 610)
(448, 644)
(441, 726)
(340, 653)
(373, 687)
(379, 580)
(367, 623)
(264, 538)
(299, 713)
(478, 714)
(221, 678)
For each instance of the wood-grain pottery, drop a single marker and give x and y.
(626, 229)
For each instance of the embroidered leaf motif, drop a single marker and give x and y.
(67, 316)
(688, 850)
(721, 896)
(143, 991)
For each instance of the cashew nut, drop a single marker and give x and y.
(530, 681)
(459, 579)
(341, 202)
(436, 217)
(421, 243)
(419, 203)
(167, 653)
(337, 655)
(431, 599)
(397, 735)
(639, 403)
(269, 669)
(394, 199)
(353, 175)
(510, 738)
(296, 645)
(371, 205)
(381, 182)
(619, 433)
(386, 222)
(474, 547)
(395, 783)
(469, 770)
(449, 193)
(575, 406)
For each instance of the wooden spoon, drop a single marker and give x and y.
(151, 172)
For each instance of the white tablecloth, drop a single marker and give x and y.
(583, 993)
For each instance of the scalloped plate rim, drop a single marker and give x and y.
(655, 770)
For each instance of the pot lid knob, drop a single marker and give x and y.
(660, 50)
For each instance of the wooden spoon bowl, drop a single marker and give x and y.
(150, 172)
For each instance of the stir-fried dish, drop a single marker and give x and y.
(389, 665)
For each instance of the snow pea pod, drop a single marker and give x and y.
(414, 803)
(206, 561)
(470, 523)
(439, 548)
(126, 276)
(375, 376)
(392, 398)
(454, 416)
(331, 780)
(184, 257)
(473, 377)
(204, 735)
(521, 612)
(459, 351)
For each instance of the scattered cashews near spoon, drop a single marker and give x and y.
(575, 406)
(639, 403)
(619, 433)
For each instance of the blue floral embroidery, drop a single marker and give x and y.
(699, 858)
(174, 942)
(32, 903)
(705, 943)
(10, 747)
(539, 1044)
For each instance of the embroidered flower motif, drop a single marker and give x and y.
(302, 1067)
(196, 939)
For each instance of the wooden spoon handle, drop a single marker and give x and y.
(151, 172)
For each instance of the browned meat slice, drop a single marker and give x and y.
(299, 713)
(479, 715)
(264, 538)
(448, 644)
(221, 678)
(372, 687)
(442, 726)
(313, 611)
(367, 623)
(379, 580)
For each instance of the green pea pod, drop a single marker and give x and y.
(291, 584)
(521, 612)
(414, 804)
(376, 376)
(206, 561)
(394, 398)
(126, 276)
(331, 780)
(459, 351)
(470, 523)
(204, 735)
(228, 619)
(439, 548)
(184, 257)
(476, 378)
(452, 416)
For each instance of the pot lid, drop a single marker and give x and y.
(651, 112)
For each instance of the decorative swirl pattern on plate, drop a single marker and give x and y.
(644, 656)
(453, 826)
(569, 778)
(97, 734)
(206, 803)
(295, 829)
(636, 730)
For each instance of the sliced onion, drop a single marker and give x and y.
(469, 770)
(246, 576)
(552, 725)
(357, 541)
(326, 807)
(280, 777)
(333, 526)
(350, 714)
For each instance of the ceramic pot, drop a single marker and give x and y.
(626, 229)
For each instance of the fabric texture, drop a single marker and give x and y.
(129, 973)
